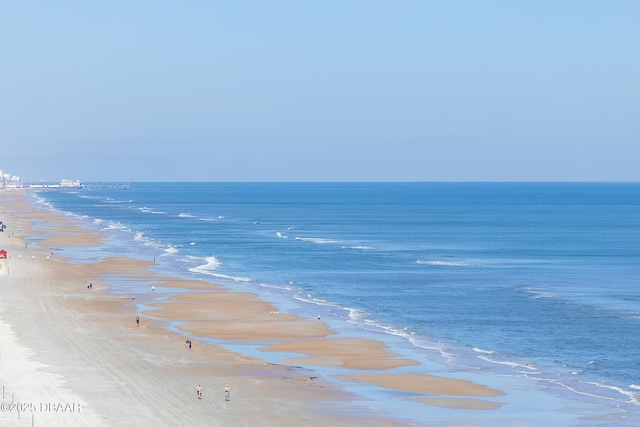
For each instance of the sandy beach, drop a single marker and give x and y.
(73, 356)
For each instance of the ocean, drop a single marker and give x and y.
(533, 288)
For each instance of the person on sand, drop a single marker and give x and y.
(227, 392)
(153, 288)
(199, 391)
(189, 344)
(137, 321)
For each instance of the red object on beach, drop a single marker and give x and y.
(3, 254)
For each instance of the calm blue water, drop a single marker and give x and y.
(532, 281)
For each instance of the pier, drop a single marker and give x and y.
(83, 185)
(122, 185)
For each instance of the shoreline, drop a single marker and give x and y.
(239, 317)
(116, 372)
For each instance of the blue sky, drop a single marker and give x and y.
(332, 90)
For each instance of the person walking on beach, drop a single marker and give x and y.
(137, 321)
(227, 392)
(153, 288)
(189, 344)
(199, 391)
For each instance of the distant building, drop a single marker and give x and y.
(9, 181)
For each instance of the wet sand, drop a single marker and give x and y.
(64, 343)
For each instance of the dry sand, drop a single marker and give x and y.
(65, 347)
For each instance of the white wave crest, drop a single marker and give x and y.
(441, 263)
(140, 237)
(282, 236)
(280, 287)
(317, 240)
(172, 249)
(151, 211)
(110, 200)
(537, 293)
(479, 350)
(185, 215)
(513, 364)
(352, 313)
(629, 396)
(391, 330)
(210, 265)
(209, 271)
(113, 225)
